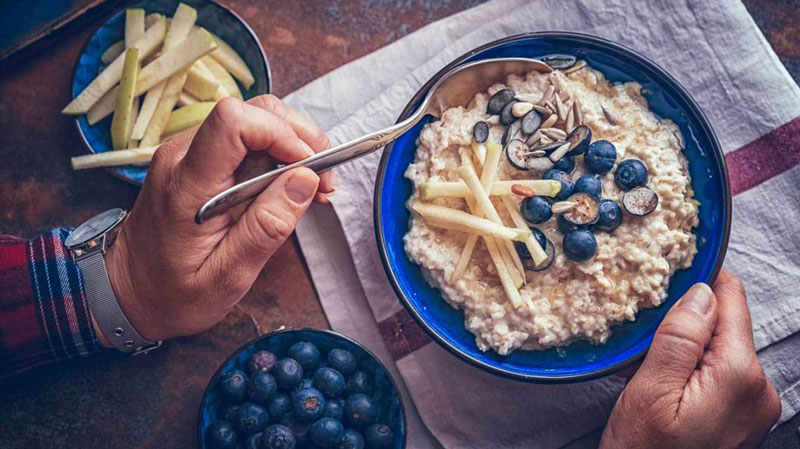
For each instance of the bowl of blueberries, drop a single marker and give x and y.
(297, 389)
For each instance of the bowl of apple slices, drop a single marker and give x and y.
(154, 70)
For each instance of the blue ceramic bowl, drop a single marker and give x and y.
(629, 341)
(214, 17)
(278, 342)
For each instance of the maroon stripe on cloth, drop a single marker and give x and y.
(402, 335)
(764, 158)
(749, 166)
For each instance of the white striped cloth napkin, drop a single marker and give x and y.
(716, 51)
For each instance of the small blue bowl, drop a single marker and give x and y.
(392, 411)
(211, 15)
(629, 341)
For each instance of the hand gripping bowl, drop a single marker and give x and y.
(629, 341)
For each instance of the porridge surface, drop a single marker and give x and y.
(569, 300)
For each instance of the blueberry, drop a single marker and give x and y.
(589, 184)
(610, 216)
(499, 100)
(262, 388)
(342, 360)
(329, 381)
(640, 201)
(566, 183)
(251, 418)
(280, 406)
(359, 382)
(227, 412)
(260, 361)
(304, 384)
(308, 404)
(527, 259)
(585, 212)
(630, 173)
(287, 372)
(253, 441)
(307, 355)
(221, 435)
(600, 156)
(540, 237)
(300, 430)
(559, 61)
(580, 245)
(536, 209)
(379, 436)
(506, 116)
(233, 386)
(565, 164)
(564, 226)
(579, 139)
(360, 410)
(480, 131)
(351, 439)
(334, 408)
(326, 432)
(278, 436)
(530, 122)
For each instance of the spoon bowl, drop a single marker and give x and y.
(455, 88)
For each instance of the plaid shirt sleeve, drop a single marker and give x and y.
(44, 316)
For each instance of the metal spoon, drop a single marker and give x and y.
(455, 88)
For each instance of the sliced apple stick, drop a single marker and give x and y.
(222, 76)
(111, 74)
(232, 62)
(480, 151)
(503, 272)
(152, 136)
(195, 46)
(536, 250)
(431, 189)
(133, 156)
(185, 99)
(222, 91)
(148, 108)
(472, 239)
(120, 124)
(133, 143)
(463, 221)
(200, 84)
(134, 25)
(112, 52)
(188, 117)
(151, 19)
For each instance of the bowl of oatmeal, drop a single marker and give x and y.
(542, 231)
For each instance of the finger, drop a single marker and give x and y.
(734, 326)
(268, 221)
(232, 130)
(305, 128)
(679, 343)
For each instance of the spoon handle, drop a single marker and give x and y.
(320, 162)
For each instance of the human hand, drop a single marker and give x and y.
(174, 277)
(701, 385)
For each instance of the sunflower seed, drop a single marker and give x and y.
(542, 110)
(578, 112)
(556, 155)
(578, 65)
(570, 120)
(544, 140)
(554, 133)
(493, 120)
(555, 81)
(529, 98)
(548, 95)
(534, 138)
(562, 113)
(534, 153)
(550, 121)
(521, 108)
(551, 106)
(563, 206)
(548, 146)
(611, 118)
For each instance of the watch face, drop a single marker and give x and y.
(94, 227)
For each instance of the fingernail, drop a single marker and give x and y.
(698, 298)
(302, 186)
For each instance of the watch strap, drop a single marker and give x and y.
(105, 307)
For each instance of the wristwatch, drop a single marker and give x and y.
(88, 244)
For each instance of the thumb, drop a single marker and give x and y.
(268, 221)
(679, 343)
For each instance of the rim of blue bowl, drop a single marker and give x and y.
(228, 10)
(587, 38)
(241, 348)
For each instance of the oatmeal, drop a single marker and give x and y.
(598, 272)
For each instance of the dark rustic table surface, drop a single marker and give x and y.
(152, 401)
